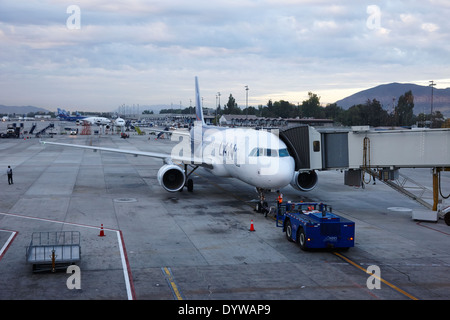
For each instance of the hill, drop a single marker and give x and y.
(20, 110)
(386, 92)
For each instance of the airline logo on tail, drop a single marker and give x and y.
(64, 115)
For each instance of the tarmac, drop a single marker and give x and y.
(197, 246)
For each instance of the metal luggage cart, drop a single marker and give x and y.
(49, 251)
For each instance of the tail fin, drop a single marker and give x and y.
(198, 107)
(61, 113)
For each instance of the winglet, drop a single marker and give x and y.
(198, 107)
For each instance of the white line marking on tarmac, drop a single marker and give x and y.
(125, 265)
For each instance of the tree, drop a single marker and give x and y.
(250, 110)
(231, 107)
(438, 119)
(188, 110)
(371, 113)
(311, 107)
(404, 109)
(352, 116)
(333, 111)
(376, 116)
(267, 111)
(284, 109)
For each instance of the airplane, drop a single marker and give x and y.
(256, 157)
(119, 122)
(166, 131)
(96, 120)
(64, 115)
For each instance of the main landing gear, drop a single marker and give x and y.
(189, 182)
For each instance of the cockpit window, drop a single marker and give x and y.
(259, 152)
(270, 152)
(254, 153)
(284, 153)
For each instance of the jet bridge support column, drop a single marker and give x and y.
(437, 186)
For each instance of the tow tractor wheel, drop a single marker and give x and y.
(447, 218)
(289, 230)
(302, 239)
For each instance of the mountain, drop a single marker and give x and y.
(20, 110)
(386, 92)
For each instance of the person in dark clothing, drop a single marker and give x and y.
(9, 173)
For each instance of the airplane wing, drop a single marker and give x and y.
(167, 158)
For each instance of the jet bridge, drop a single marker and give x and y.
(380, 153)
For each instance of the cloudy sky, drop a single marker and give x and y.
(97, 55)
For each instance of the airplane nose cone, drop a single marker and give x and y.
(286, 171)
(278, 174)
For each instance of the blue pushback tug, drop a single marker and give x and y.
(314, 225)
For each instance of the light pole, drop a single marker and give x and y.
(246, 102)
(218, 106)
(432, 84)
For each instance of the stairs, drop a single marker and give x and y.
(408, 187)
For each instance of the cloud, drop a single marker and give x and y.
(430, 27)
(148, 52)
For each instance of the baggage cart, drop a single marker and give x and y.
(50, 251)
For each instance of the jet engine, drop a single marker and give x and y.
(304, 180)
(171, 177)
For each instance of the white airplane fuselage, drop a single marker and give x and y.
(256, 157)
(119, 122)
(97, 120)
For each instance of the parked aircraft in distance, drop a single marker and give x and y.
(97, 120)
(119, 122)
(64, 115)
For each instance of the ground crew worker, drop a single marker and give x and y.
(279, 198)
(9, 173)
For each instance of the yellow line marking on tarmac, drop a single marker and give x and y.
(375, 276)
(337, 254)
(170, 279)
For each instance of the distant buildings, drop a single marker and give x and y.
(233, 120)
(254, 121)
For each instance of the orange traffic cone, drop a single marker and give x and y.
(252, 228)
(102, 233)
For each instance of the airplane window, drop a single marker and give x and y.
(283, 153)
(254, 153)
